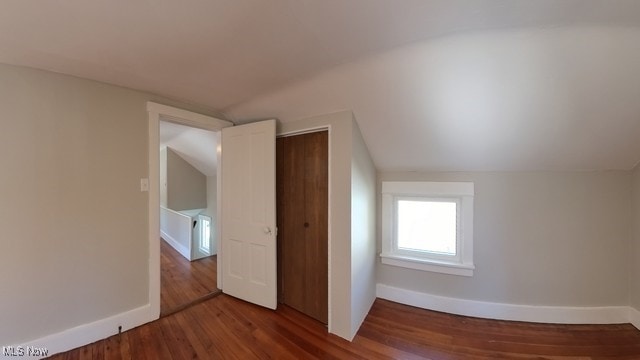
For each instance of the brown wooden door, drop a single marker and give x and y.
(302, 217)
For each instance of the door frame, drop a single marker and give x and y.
(159, 112)
(327, 128)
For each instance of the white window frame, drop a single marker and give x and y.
(460, 192)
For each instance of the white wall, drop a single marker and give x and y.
(163, 176)
(363, 230)
(186, 185)
(556, 239)
(341, 150)
(634, 279)
(73, 218)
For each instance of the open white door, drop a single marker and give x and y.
(248, 217)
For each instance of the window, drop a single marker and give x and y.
(205, 234)
(428, 226)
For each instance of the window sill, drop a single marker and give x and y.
(428, 265)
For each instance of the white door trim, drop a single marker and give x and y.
(159, 112)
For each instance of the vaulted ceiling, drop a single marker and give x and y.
(434, 84)
(196, 146)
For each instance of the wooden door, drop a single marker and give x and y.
(248, 218)
(302, 216)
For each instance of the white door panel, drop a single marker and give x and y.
(248, 213)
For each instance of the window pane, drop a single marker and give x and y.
(427, 226)
(205, 234)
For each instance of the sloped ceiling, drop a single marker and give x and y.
(553, 99)
(434, 84)
(196, 146)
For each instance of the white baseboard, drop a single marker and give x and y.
(501, 311)
(88, 333)
(634, 317)
(176, 245)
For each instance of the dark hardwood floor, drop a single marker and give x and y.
(183, 282)
(227, 328)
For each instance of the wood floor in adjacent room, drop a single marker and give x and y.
(182, 281)
(226, 328)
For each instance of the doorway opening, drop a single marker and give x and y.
(161, 113)
(188, 210)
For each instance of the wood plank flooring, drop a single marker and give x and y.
(182, 281)
(227, 328)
